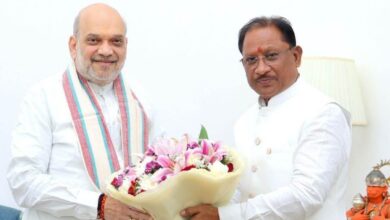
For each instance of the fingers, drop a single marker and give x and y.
(139, 215)
(191, 211)
(199, 212)
(137, 210)
(114, 209)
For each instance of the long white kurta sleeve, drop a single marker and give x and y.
(321, 154)
(46, 174)
(29, 175)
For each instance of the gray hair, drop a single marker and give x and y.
(76, 25)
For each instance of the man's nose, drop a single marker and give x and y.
(261, 67)
(105, 49)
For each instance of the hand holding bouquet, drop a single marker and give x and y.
(177, 173)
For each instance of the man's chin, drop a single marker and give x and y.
(107, 78)
(104, 73)
(266, 92)
(102, 78)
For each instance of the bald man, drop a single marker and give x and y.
(74, 128)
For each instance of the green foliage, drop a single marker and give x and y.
(203, 133)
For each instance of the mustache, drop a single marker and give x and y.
(104, 59)
(260, 78)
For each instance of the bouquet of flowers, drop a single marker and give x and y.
(174, 174)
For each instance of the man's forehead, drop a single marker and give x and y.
(102, 29)
(102, 23)
(96, 35)
(101, 20)
(261, 39)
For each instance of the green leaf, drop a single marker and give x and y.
(203, 133)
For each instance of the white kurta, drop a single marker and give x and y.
(46, 173)
(297, 150)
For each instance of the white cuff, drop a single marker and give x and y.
(88, 202)
(231, 211)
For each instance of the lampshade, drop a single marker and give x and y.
(337, 78)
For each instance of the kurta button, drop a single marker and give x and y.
(254, 168)
(257, 141)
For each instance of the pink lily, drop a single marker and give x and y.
(165, 161)
(162, 174)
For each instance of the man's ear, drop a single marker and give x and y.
(298, 55)
(72, 46)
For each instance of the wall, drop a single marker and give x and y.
(185, 55)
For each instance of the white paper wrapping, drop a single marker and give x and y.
(188, 188)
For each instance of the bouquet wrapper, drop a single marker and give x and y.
(188, 188)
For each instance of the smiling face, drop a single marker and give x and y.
(270, 76)
(99, 47)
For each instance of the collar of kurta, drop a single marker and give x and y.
(283, 96)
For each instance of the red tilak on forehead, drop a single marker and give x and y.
(259, 50)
